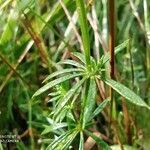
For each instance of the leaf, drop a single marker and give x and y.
(55, 82)
(98, 140)
(58, 140)
(68, 141)
(63, 141)
(125, 92)
(71, 62)
(79, 56)
(52, 128)
(69, 94)
(100, 107)
(55, 98)
(62, 114)
(89, 103)
(59, 72)
(117, 50)
(54, 93)
(81, 144)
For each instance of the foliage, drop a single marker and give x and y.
(54, 75)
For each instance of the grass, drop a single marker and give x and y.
(57, 66)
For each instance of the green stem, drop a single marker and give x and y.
(85, 31)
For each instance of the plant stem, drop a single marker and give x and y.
(85, 31)
(111, 17)
(30, 124)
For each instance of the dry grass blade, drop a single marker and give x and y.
(72, 24)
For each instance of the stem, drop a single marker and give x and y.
(30, 124)
(85, 31)
(111, 15)
(147, 35)
(111, 18)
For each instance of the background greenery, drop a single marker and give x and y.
(40, 37)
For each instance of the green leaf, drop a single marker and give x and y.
(62, 114)
(71, 62)
(81, 144)
(84, 29)
(58, 140)
(55, 82)
(69, 94)
(121, 46)
(89, 103)
(79, 56)
(65, 144)
(125, 92)
(98, 140)
(52, 128)
(59, 72)
(117, 50)
(55, 98)
(100, 107)
(63, 141)
(54, 93)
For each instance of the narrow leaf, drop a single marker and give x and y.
(125, 92)
(90, 102)
(69, 94)
(54, 98)
(52, 128)
(117, 50)
(58, 140)
(65, 144)
(63, 141)
(71, 62)
(100, 107)
(79, 56)
(98, 140)
(59, 72)
(55, 82)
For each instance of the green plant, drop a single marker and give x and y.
(67, 40)
(81, 90)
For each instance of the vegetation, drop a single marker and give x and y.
(74, 74)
